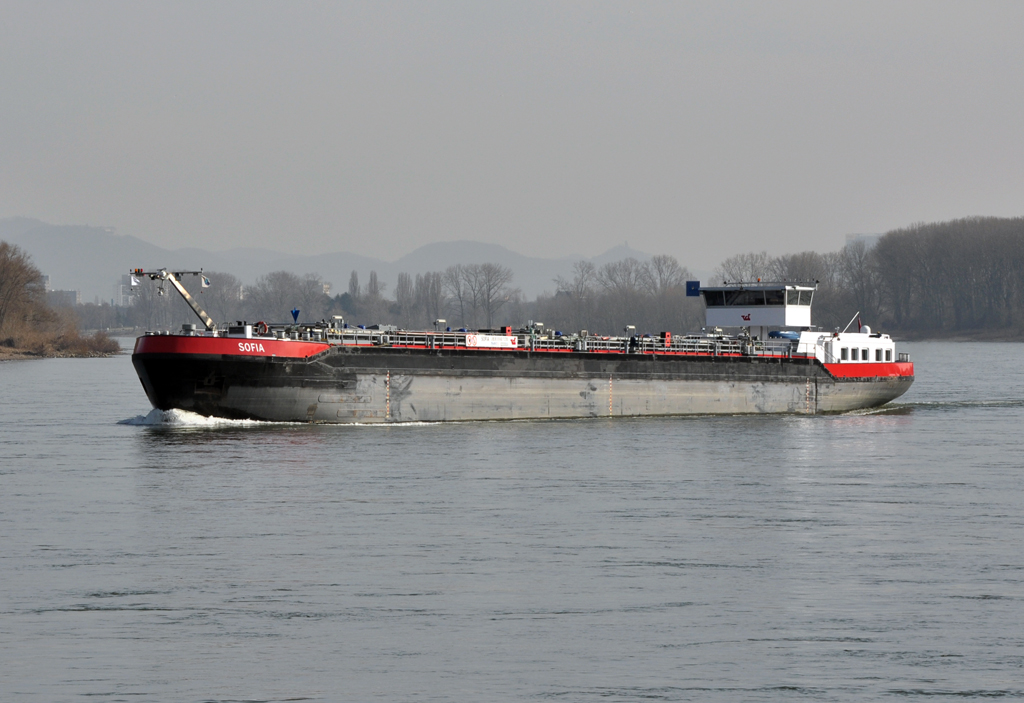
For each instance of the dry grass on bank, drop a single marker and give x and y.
(67, 345)
(29, 343)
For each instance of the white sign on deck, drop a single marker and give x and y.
(491, 341)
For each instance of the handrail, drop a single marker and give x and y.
(527, 342)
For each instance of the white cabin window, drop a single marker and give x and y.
(844, 353)
(853, 354)
(888, 354)
(878, 355)
(864, 355)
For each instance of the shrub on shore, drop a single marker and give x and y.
(28, 326)
(42, 343)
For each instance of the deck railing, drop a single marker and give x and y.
(691, 344)
(706, 345)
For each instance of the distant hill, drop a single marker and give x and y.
(92, 259)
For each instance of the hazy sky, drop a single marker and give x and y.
(695, 129)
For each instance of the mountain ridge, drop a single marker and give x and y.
(92, 259)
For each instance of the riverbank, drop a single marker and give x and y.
(982, 335)
(43, 346)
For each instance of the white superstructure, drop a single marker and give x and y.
(849, 347)
(758, 305)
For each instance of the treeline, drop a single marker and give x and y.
(961, 275)
(647, 294)
(28, 324)
(929, 278)
(936, 279)
(474, 295)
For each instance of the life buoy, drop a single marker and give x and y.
(262, 328)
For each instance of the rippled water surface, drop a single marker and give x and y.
(859, 557)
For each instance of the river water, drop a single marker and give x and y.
(857, 557)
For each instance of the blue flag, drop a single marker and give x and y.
(295, 315)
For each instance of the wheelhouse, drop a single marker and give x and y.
(758, 304)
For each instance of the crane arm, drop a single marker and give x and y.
(172, 277)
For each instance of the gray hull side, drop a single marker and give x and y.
(376, 397)
(846, 395)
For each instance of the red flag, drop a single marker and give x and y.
(858, 323)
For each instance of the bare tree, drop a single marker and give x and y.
(669, 308)
(21, 284)
(580, 291)
(626, 277)
(804, 267)
(404, 291)
(745, 267)
(430, 295)
(860, 278)
(665, 274)
(454, 279)
(372, 305)
(274, 295)
(223, 299)
(313, 296)
(375, 290)
(493, 288)
(405, 297)
(582, 282)
(625, 286)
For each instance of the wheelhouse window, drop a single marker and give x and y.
(755, 298)
(888, 354)
(853, 354)
(878, 355)
(798, 297)
(864, 355)
(744, 298)
(714, 298)
(844, 353)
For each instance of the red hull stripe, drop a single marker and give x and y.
(871, 370)
(170, 344)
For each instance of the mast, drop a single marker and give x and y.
(172, 277)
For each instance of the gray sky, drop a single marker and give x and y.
(699, 130)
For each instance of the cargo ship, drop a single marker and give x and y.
(332, 372)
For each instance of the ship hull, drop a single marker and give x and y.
(379, 385)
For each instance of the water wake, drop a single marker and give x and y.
(957, 404)
(185, 418)
(935, 405)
